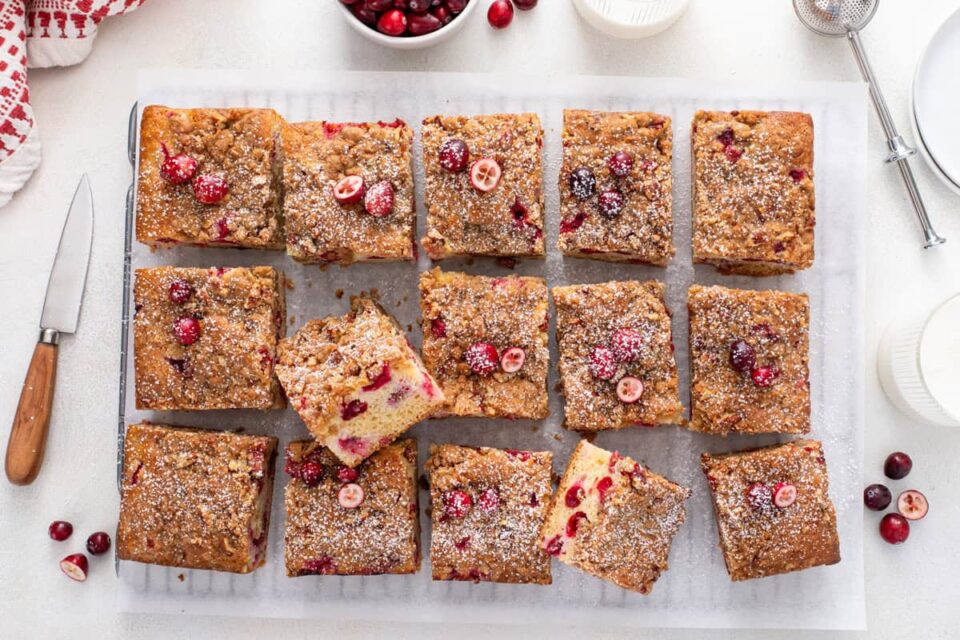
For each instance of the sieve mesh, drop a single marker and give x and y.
(835, 17)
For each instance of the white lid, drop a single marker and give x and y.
(940, 356)
(631, 18)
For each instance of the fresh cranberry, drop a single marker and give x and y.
(311, 473)
(573, 523)
(347, 474)
(726, 137)
(733, 154)
(764, 376)
(626, 344)
(352, 409)
(500, 14)
(60, 530)
(418, 5)
(180, 291)
(489, 500)
(350, 496)
(603, 485)
(456, 503)
(392, 22)
(209, 189)
(75, 566)
(784, 494)
(525, 5)
(98, 543)
(894, 528)
(438, 328)
(485, 174)
(348, 190)
(912, 505)
(798, 174)
(442, 14)
(897, 465)
(363, 14)
(742, 357)
(380, 380)
(759, 496)
(629, 389)
(574, 496)
(454, 155)
(186, 330)
(378, 200)
(512, 359)
(603, 363)
(419, 24)
(877, 497)
(554, 546)
(620, 164)
(611, 203)
(378, 5)
(482, 358)
(456, 6)
(583, 184)
(177, 169)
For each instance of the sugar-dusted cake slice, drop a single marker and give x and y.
(748, 361)
(613, 518)
(753, 197)
(616, 186)
(352, 521)
(356, 381)
(194, 498)
(484, 185)
(774, 514)
(210, 177)
(487, 507)
(348, 191)
(485, 342)
(207, 338)
(616, 356)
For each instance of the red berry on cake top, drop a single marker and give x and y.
(583, 183)
(349, 190)
(180, 291)
(611, 203)
(209, 189)
(378, 200)
(482, 357)
(456, 503)
(603, 363)
(620, 164)
(485, 174)
(177, 169)
(626, 344)
(454, 155)
(187, 330)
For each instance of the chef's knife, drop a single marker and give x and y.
(61, 312)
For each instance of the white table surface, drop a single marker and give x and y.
(912, 590)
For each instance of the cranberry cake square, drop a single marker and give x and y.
(356, 381)
(774, 514)
(484, 185)
(616, 356)
(207, 338)
(194, 498)
(351, 521)
(487, 508)
(616, 186)
(613, 518)
(749, 361)
(210, 177)
(348, 191)
(485, 342)
(753, 196)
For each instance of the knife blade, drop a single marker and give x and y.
(61, 314)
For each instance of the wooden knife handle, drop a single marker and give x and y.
(28, 436)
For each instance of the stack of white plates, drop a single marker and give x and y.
(936, 103)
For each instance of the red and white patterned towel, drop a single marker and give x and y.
(39, 33)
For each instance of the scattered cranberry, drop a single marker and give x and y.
(742, 357)
(759, 496)
(489, 500)
(177, 169)
(350, 496)
(573, 523)
(897, 465)
(583, 184)
(603, 363)
(784, 494)
(98, 543)
(574, 496)
(349, 190)
(60, 530)
(392, 23)
(454, 155)
(352, 409)
(603, 485)
(629, 389)
(186, 330)
(456, 503)
(500, 14)
(180, 291)
(525, 5)
(75, 566)
(378, 200)
(894, 528)
(912, 505)
(311, 473)
(382, 378)
(347, 474)
(209, 189)
(620, 164)
(626, 344)
(482, 358)
(512, 359)
(611, 203)
(764, 376)
(877, 497)
(554, 546)
(485, 174)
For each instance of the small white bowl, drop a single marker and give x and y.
(409, 42)
(630, 19)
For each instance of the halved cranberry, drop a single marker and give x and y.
(620, 164)
(897, 465)
(489, 500)
(582, 182)
(573, 523)
(438, 328)
(877, 497)
(456, 503)
(392, 23)
(352, 409)
(378, 200)
(603, 364)
(912, 505)
(759, 496)
(611, 203)
(311, 473)
(349, 190)
(784, 494)
(603, 485)
(626, 344)
(454, 155)
(60, 530)
(629, 389)
(894, 528)
(554, 545)
(209, 189)
(177, 169)
(742, 357)
(574, 496)
(482, 358)
(98, 543)
(572, 224)
(485, 174)
(764, 376)
(347, 474)
(75, 566)
(186, 330)
(180, 291)
(500, 14)
(350, 496)
(512, 359)
(380, 380)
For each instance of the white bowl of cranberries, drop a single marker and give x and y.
(407, 24)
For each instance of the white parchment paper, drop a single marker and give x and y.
(696, 591)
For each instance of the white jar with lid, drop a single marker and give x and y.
(631, 18)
